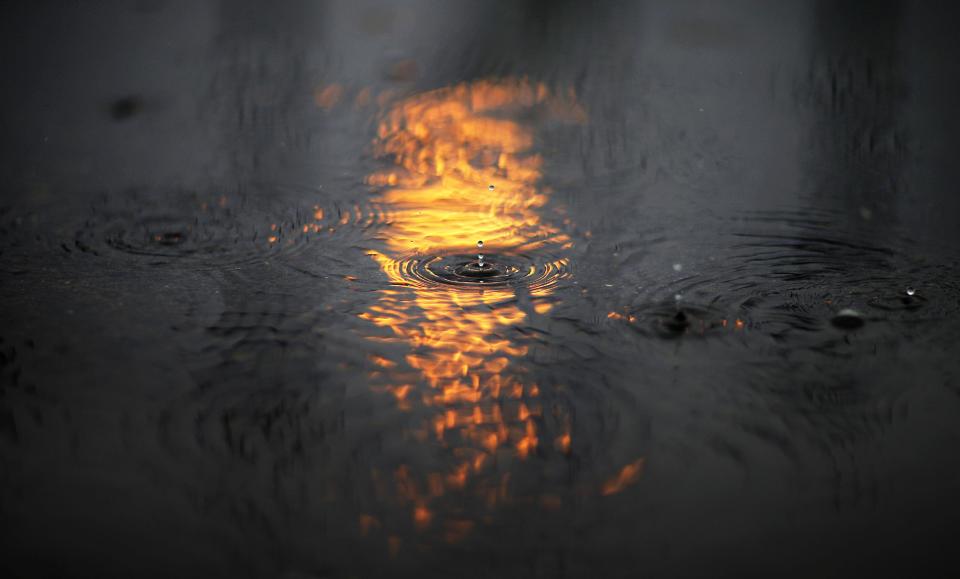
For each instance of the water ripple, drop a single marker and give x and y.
(538, 273)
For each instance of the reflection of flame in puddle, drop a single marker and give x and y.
(448, 146)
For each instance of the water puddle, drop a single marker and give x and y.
(354, 289)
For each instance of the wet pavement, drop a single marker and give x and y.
(245, 332)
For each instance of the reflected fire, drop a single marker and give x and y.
(465, 172)
(450, 145)
(464, 169)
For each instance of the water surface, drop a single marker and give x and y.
(237, 338)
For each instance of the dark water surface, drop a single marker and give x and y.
(237, 338)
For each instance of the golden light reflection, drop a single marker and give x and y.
(626, 477)
(464, 169)
(449, 146)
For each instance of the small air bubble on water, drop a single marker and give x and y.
(911, 291)
(491, 187)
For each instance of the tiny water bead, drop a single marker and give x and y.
(848, 319)
(479, 268)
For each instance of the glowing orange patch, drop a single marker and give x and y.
(446, 148)
(626, 477)
(422, 517)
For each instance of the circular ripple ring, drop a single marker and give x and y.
(461, 271)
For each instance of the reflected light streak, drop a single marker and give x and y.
(447, 147)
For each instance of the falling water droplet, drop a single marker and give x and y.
(480, 245)
(678, 297)
(491, 187)
(677, 266)
(911, 291)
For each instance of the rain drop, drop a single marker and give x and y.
(480, 245)
(491, 187)
(677, 266)
(848, 319)
(911, 291)
(678, 297)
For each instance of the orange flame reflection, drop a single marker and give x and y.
(448, 146)
(626, 477)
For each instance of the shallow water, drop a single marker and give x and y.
(238, 338)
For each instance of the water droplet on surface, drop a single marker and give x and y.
(911, 291)
(491, 187)
(848, 319)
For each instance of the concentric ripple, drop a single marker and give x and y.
(214, 231)
(163, 236)
(536, 273)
